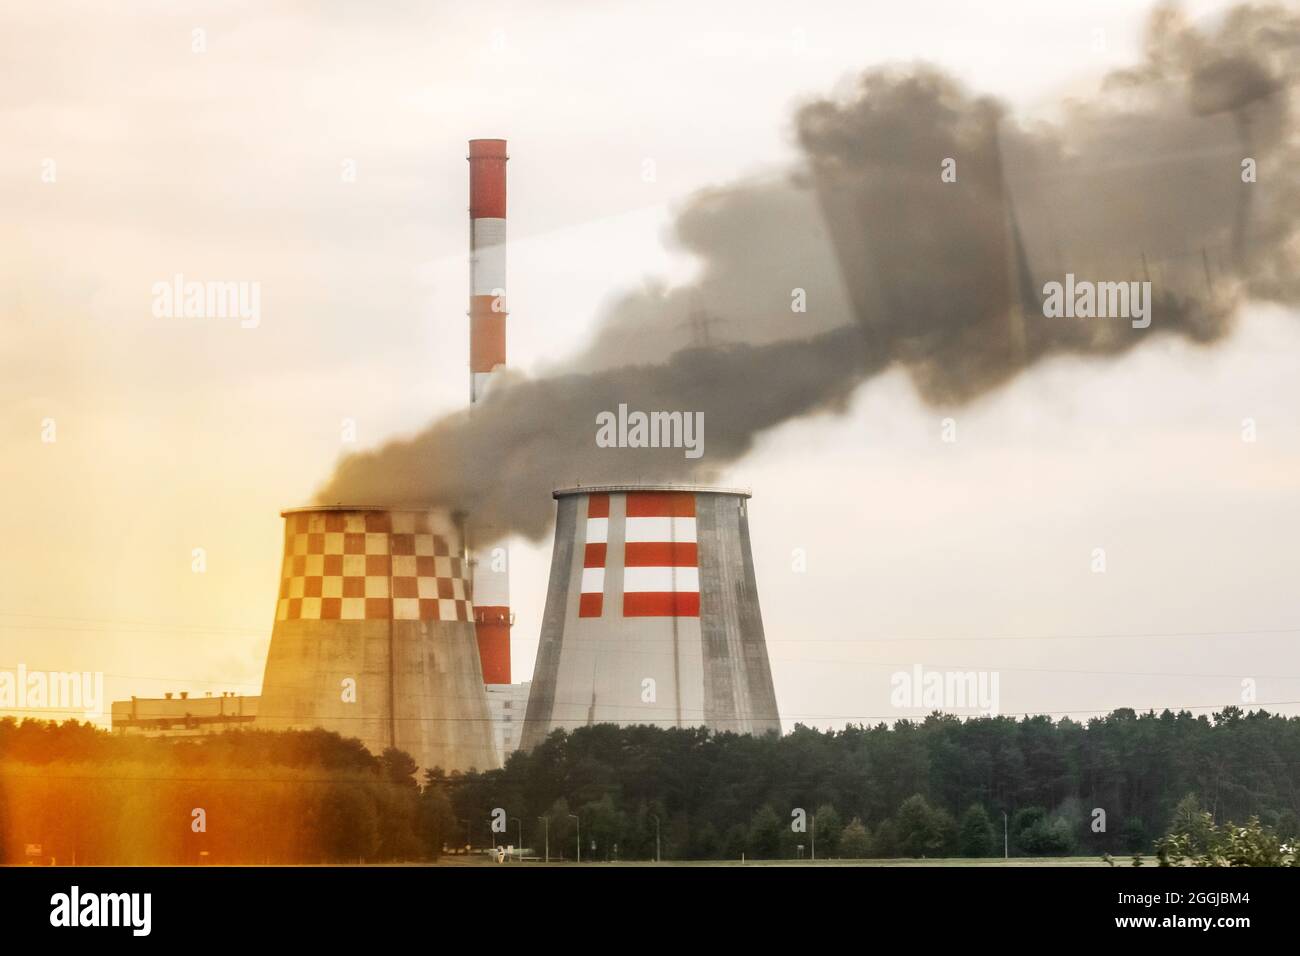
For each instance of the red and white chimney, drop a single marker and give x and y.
(487, 356)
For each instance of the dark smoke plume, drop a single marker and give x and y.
(1144, 183)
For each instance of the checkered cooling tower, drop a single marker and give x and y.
(374, 636)
(652, 615)
(370, 566)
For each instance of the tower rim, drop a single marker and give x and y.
(649, 486)
(315, 509)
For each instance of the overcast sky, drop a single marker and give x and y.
(176, 434)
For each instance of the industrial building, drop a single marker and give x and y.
(507, 705)
(391, 628)
(394, 602)
(374, 636)
(180, 715)
(652, 614)
(387, 628)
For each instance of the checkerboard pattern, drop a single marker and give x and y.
(362, 566)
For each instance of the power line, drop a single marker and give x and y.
(630, 714)
(839, 662)
(448, 698)
(880, 638)
(1049, 637)
(127, 621)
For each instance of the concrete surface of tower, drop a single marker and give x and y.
(374, 636)
(487, 337)
(652, 614)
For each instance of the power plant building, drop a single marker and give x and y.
(180, 715)
(374, 636)
(391, 628)
(652, 614)
(507, 705)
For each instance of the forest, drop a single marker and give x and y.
(931, 788)
(938, 787)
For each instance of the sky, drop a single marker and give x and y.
(137, 149)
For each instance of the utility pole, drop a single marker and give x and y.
(656, 819)
(700, 321)
(1006, 851)
(814, 836)
(547, 822)
(575, 816)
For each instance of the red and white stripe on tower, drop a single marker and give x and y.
(661, 565)
(591, 603)
(487, 356)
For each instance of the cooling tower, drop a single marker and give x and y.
(652, 614)
(374, 636)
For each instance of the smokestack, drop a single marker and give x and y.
(487, 356)
(374, 636)
(652, 614)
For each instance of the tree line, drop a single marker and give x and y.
(943, 786)
(71, 793)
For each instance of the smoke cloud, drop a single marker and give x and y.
(920, 231)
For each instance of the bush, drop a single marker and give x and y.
(855, 841)
(829, 827)
(1229, 845)
(765, 834)
(924, 830)
(884, 843)
(1191, 821)
(976, 837)
(1134, 835)
(1038, 834)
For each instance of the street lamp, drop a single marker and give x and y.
(575, 816)
(547, 822)
(656, 820)
(1006, 846)
(521, 837)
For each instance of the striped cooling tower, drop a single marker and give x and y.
(487, 346)
(652, 615)
(374, 636)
